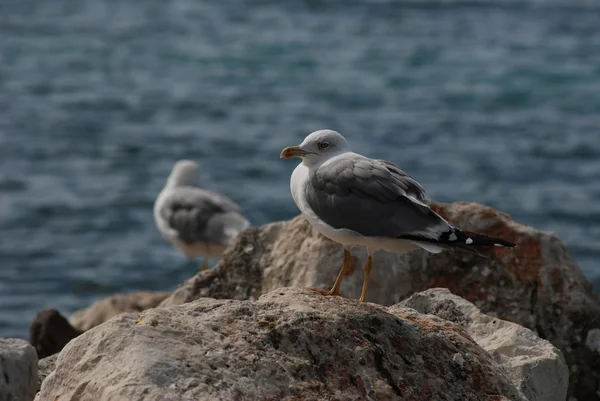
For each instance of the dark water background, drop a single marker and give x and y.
(490, 101)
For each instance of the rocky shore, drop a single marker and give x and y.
(521, 325)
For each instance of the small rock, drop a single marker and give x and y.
(458, 360)
(45, 367)
(592, 341)
(50, 332)
(18, 370)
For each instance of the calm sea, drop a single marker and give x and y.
(494, 101)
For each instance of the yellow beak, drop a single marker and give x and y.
(292, 151)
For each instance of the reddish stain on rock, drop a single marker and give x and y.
(526, 261)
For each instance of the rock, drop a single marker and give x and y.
(592, 340)
(45, 367)
(536, 285)
(107, 308)
(535, 366)
(458, 360)
(18, 370)
(291, 344)
(50, 332)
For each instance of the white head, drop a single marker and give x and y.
(184, 173)
(318, 147)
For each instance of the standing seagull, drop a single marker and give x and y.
(354, 200)
(196, 221)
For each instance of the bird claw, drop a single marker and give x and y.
(325, 293)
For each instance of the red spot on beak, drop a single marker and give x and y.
(291, 151)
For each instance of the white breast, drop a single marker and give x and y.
(297, 185)
(297, 182)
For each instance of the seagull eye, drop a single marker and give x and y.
(323, 145)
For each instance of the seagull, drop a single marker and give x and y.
(357, 201)
(196, 221)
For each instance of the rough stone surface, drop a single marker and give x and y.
(50, 332)
(291, 344)
(537, 284)
(45, 367)
(18, 370)
(105, 309)
(535, 366)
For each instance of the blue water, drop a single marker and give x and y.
(489, 101)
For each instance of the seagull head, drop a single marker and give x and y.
(184, 173)
(317, 147)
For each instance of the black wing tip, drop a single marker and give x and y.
(471, 238)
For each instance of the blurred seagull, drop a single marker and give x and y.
(196, 221)
(354, 200)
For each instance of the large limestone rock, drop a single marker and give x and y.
(107, 308)
(291, 344)
(534, 365)
(18, 370)
(537, 284)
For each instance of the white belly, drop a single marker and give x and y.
(346, 237)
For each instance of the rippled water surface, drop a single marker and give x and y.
(488, 101)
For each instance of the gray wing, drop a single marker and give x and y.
(198, 215)
(372, 197)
